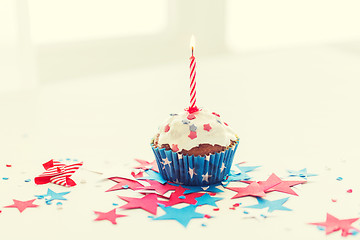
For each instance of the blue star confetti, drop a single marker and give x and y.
(211, 188)
(301, 173)
(206, 199)
(272, 205)
(246, 169)
(53, 196)
(182, 215)
(152, 175)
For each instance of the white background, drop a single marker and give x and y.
(291, 95)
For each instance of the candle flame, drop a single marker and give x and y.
(192, 43)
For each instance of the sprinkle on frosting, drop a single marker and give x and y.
(174, 147)
(207, 127)
(192, 135)
(167, 128)
(226, 124)
(192, 128)
(179, 130)
(216, 114)
(191, 116)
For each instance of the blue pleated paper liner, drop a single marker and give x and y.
(191, 170)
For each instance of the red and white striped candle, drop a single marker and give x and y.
(193, 107)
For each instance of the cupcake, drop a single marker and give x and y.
(195, 148)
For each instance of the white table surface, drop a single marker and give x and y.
(292, 109)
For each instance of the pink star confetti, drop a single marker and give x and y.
(148, 203)
(192, 135)
(333, 224)
(179, 197)
(22, 205)
(207, 127)
(254, 189)
(145, 165)
(124, 183)
(111, 216)
(158, 187)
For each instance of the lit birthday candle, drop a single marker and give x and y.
(193, 108)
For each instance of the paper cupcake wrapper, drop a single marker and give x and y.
(194, 171)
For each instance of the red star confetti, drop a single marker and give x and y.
(124, 183)
(174, 147)
(207, 127)
(179, 197)
(192, 135)
(137, 175)
(22, 205)
(191, 116)
(254, 189)
(158, 187)
(145, 165)
(111, 216)
(167, 128)
(148, 203)
(333, 224)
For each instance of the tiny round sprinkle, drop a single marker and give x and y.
(115, 204)
(232, 208)
(68, 159)
(207, 216)
(339, 178)
(246, 212)
(27, 180)
(216, 209)
(203, 225)
(333, 200)
(263, 215)
(216, 114)
(59, 203)
(5, 178)
(125, 186)
(150, 216)
(349, 190)
(236, 205)
(182, 197)
(226, 124)
(8, 165)
(167, 128)
(48, 202)
(173, 114)
(218, 121)
(40, 197)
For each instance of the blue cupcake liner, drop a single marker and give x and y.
(207, 170)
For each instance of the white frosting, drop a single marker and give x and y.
(175, 131)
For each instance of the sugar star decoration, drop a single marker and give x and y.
(145, 165)
(124, 183)
(254, 189)
(222, 168)
(333, 224)
(22, 205)
(272, 205)
(301, 173)
(148, 203)
(192, 172)
(153, 176)
(182, 215)
(206, 199)
(53, 196)
(111, 216)
(166, 162)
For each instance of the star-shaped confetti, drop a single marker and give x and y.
(333, 224)
(211, 188)
(182, 215)
(53, 196)
(207, 127)
(158, 187)
(301, 173)
(272, 205)
(111, 216)
(253, 189)
(153, 176)
(124, 183)
(148, 203)
(145, 165)
(179, 197)
(232, 177)
(205, 177)
(192, 128)
(206, 199)
(22, 205)
(246, 169)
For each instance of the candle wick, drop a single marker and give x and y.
(192, 51)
